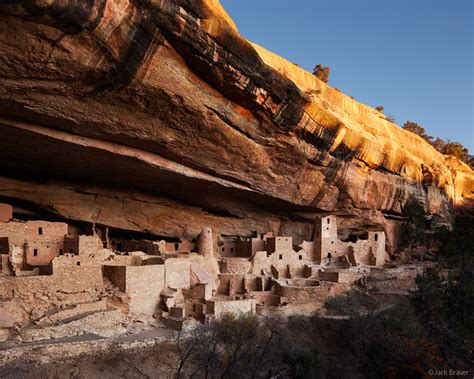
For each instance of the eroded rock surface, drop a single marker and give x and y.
(157, 116)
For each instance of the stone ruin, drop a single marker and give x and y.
(51, 272)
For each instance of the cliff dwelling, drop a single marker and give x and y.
(161, 175)
(184, 280)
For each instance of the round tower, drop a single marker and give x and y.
(206, 242)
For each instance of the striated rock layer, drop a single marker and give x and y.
(157, 116)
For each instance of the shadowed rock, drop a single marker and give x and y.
(161, 116)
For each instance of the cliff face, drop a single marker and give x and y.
(157, 116)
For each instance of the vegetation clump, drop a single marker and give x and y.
(455, 149)
(321, 72)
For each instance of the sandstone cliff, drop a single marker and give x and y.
(157, 116)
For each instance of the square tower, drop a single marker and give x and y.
(325, 238)
(377, 248)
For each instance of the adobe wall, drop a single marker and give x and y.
(243, 249)
(143, 286)
(378, 247)
(369, 252)
(275, 244)
(342, 276)
(50, 292)
(358, 252)
(73, 271)
(330, 276)
(232, 284)
(82, 245)
(219, 308)
(178, 273)
(202, 272)
(309, 248)
(15, 232)
(198, 292)
(280, 260)
(119, 260)
(302, 282)
(236, 265)
(6, 212)
(42, 240)
(254, 283)
(116, 275)
(349, 277)
(297, 270)
(72, 261)
(50, 229)
(260, 263)
(228, 249)
(266, 298)
(248, 247)
(184, 246)
(302, 294)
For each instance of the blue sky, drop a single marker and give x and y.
(414, 57)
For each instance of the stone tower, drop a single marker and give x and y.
(377, 248)
(325, 239)
(206, 242)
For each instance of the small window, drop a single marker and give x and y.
(329, 255)
(176, 246)
(223, 249)
(40, 231)
(61, 252)
(329, 220)
(301, 257)
(78, 263)
(35, 252)
(376, 236)
(231, 249)
(332, 241)
(281, 256)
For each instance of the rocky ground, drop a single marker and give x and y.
(126, 349)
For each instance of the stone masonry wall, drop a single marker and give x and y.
(178, 273)
(41, 240)
(220, 308)
(236, 265)
(144, 285)
(116, 275)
